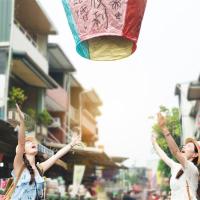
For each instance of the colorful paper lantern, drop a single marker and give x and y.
(105, 29)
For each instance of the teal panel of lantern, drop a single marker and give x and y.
(105, 29)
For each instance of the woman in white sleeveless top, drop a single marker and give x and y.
(184, 173)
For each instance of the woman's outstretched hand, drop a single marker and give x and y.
(21, 114)
(162, 124)
(75, 140)
(161, 120)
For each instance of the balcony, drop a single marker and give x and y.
(22, 42)
(88, 122)
(56, 100)
(32, 14)
(74, 115)
(14, 120)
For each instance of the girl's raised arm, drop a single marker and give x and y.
(49, 162)
(170, 140)
(18, 160)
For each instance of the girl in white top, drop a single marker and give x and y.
(184, 174)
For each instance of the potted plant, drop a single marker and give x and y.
(32, 113)
(16, 95)
(30, 117)
(44, 119)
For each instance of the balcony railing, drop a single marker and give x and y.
(25, 33)
(88, 121)
(23, 42)
(13, 119)
(30, 124)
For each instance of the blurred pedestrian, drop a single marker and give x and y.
(127, 196)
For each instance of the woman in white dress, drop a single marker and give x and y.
(184, 173)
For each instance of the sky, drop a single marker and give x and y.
(132, 89)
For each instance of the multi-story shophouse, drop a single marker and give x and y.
(189, 102)
(72, 106)
(74, 111)
(43, 77)
(24, 30)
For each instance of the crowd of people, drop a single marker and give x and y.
(82, 192)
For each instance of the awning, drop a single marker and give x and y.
(56, 100)
(195, 109)
(87, 156)
(32, 14)
(8, 138)
(194, 91)
(118, 159)
(92, 96)
(58, 60)
(75, 83)
(92, 99)
(29, 72)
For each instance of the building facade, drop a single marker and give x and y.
(189, 103)
(40, 77)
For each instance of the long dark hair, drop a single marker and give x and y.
(195, 161)
(30, 169)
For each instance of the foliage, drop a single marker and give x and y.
(135, 175)
(30, 118)
(44, 118)
(16, 95)
(31, 112)
(131, 178)
(165, 188)
(173, 125)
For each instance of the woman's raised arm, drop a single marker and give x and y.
(49, 162)
(18, 161)
(163, 156)
(170, 140)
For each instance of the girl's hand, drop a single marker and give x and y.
(21, 114)
(75, 140)
(161, 120)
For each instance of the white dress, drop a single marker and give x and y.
(178, 186)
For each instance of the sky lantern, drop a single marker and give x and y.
(105, 29)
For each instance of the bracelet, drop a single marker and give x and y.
(167, 134)
(72, 145)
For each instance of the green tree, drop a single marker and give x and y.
(173, 125)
